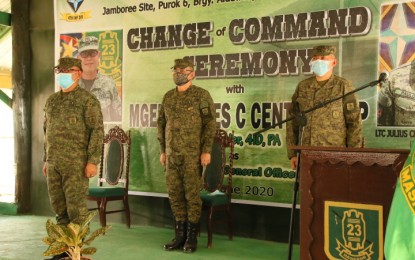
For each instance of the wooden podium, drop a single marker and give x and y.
(345, 197)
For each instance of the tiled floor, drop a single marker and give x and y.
(21, 238)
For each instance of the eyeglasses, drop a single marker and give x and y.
(60, 70)
(89, 53)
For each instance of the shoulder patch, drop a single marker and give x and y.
(205, 111)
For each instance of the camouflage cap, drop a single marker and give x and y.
(68, 62)
(323, 50)
(182, 63)
(88, 43)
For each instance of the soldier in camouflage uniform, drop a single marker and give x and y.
(336, 124)
(73, 138)
(186, 128)
(397, 96)
(102, 86)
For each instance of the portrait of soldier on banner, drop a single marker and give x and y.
(100, 54)
(396, 96)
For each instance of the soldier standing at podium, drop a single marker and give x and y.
(337, 124)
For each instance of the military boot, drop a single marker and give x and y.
(191, 241)
(179, 238)
(57, 257)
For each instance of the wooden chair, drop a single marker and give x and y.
(113, 175)
(217, 190)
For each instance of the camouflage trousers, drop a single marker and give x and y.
(68, 188)
(183, 178)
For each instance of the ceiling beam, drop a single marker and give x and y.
(5, 18)
(5, 98)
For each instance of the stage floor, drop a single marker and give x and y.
(21, 238)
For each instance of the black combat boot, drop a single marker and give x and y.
(57, 257)
(191, 241)
(179, 238)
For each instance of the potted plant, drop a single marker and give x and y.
(72, 238)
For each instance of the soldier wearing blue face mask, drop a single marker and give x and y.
(336, 124)
(74, 132)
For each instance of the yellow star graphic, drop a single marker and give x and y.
(68, 49)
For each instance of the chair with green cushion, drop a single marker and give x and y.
(217, 190)
(113, 175)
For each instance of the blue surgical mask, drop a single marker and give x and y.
(65, 80)
(320, 67)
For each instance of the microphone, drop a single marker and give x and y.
(383, 76)
(296, 107)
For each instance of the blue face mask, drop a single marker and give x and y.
(65, 80)
(320, 67)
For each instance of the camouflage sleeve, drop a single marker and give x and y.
(44, 139)
(161, 128)
(291, 136)
(207, 112)
(353, 118)
(94, 124)
(44, 130)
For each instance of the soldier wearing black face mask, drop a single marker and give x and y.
(186, 128)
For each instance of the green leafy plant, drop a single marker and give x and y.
(72, 238)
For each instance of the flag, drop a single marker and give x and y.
(400, 229)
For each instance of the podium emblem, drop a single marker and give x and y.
(353, 231)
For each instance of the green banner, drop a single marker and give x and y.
(249, 55)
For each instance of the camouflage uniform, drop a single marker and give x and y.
(336, 124)
(105, 90)
(73, 136)
(398, 94)
(186, 127)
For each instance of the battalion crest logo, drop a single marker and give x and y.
(75, 17)
(396, 37)
(353, 231)
(75, 4)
